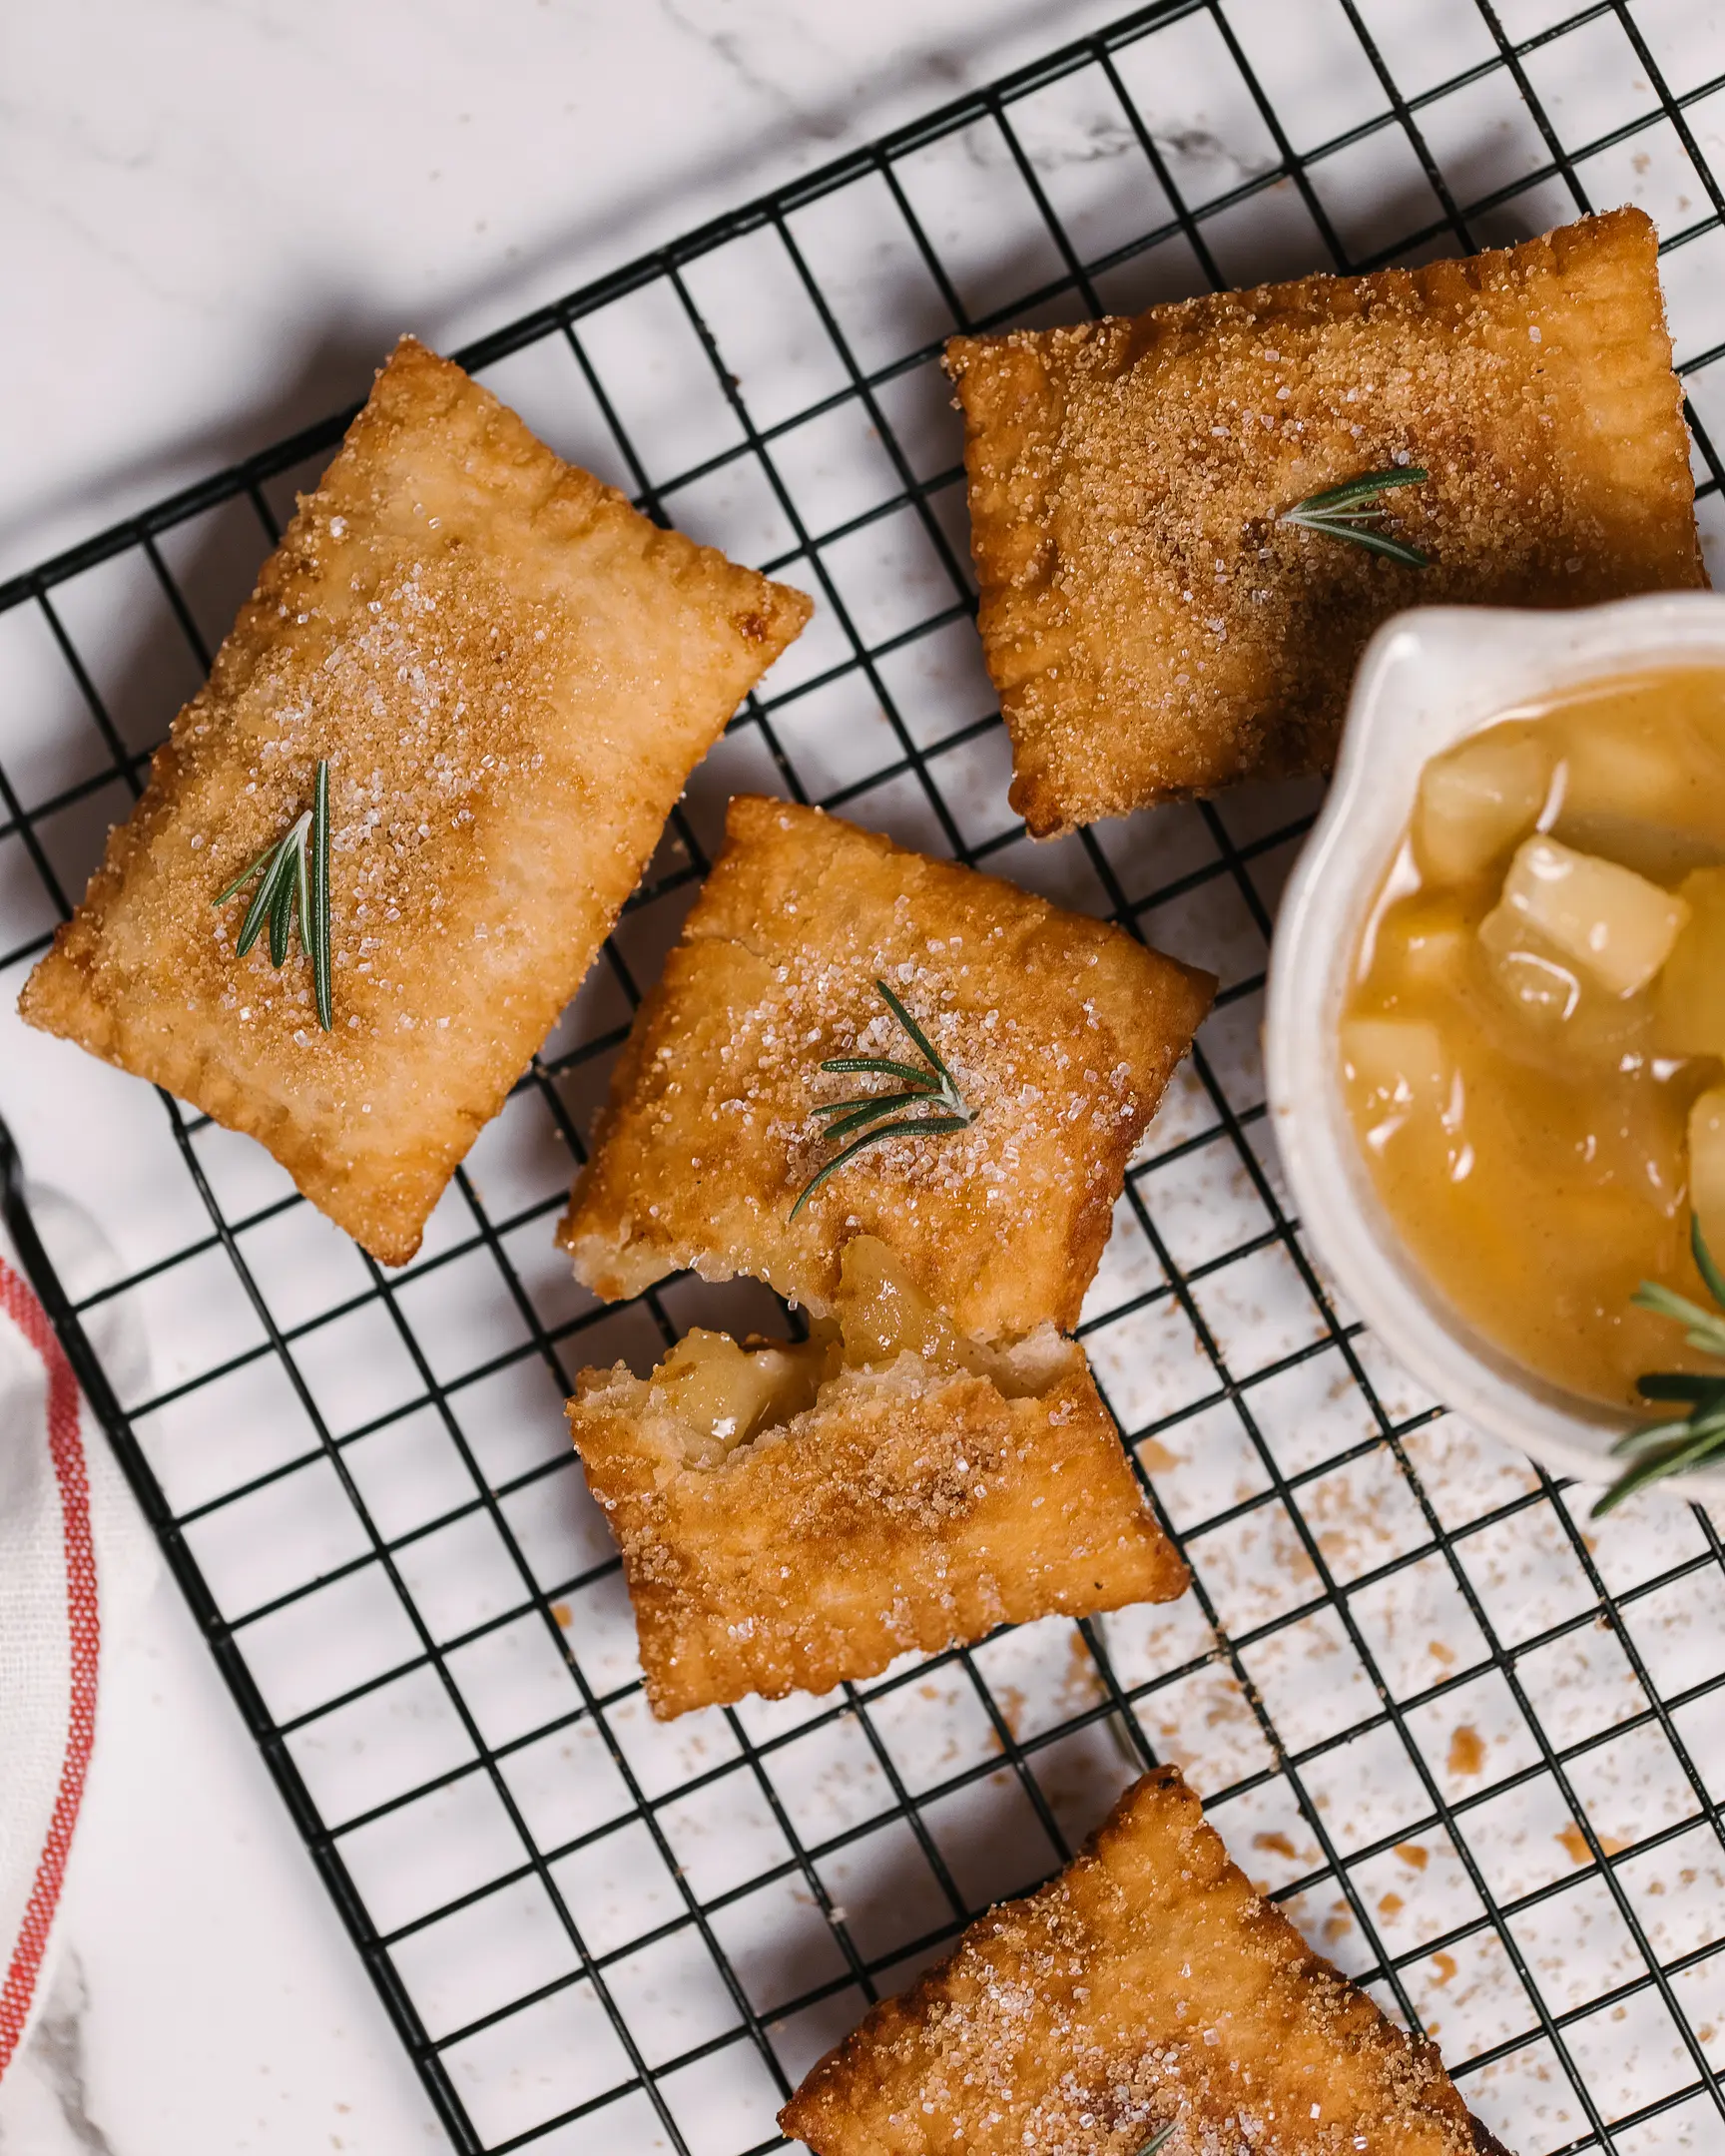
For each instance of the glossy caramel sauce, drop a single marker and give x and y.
(1533, 1045)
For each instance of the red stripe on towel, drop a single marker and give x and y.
(66, 1449)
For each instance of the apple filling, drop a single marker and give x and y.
(1533, 1048)
(726, 1393)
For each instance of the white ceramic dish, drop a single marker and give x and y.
(1429, 679)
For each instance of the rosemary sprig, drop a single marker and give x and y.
(1678, 1443)
(1352, 511)
(933, 1087)
(294, 885)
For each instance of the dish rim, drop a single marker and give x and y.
(1429, 677)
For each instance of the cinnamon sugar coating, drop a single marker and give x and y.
(512, 673)
(1153, 631)
(905, 1509)
(1060, 1030)
(1148, 1984)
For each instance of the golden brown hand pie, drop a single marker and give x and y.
(1148, 1984)
(792, 1515)
(1152, 629)
(511, 675)
(1060, 1030)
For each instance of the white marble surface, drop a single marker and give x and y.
(218, 215)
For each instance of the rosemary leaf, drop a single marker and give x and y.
(1159, 2139)
(1667, 1303)
(868, 1112)
(1353, 493)
(294, 890)
(1375, 542)
(1352, 511)
(1705, 1331)
(934, 1088)
(257, 912)
(1651, 1436)
(320, 917)
(1704, 1263)
(1676, 1443)
(884, 1067)
(282, 910)
(862, 1100)
(915, 1032)
(1680, 1385)
(302, 897)
(911, 1126)
(246, 874)
(1676, 1455)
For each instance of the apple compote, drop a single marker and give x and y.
(1534, 1044)
(727, 1393)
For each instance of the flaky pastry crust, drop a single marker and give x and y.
(1148, 1984)
(1061, 1032)
(1153, 631)
(903, 1511)
(512, 673)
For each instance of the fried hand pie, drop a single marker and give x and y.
(795, 1515)
(1060, 1031)
(1147, 1985)
(510, 675)
(1152, 625)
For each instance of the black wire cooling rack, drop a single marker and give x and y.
(1473, 1751)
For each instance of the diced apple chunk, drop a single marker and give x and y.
(1432, 935)
(1615, 924)
(1689, 1005)
(1707, 1166)
(885, 1314)
(1628, 770)
(1657, 851)
(1538, 986)
(1433, 957)
(1478, 801)
(1399, 1058)
(727, 1392)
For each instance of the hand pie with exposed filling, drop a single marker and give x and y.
(1148, 1986)
(1152, 627)
(792, 1514)
(1060, 1031)
(510, 674)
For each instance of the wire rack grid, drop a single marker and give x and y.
(1473, 1751)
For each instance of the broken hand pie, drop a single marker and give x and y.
(793, 1513)
(933, 1459)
